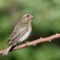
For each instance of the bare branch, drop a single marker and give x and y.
(35, 42)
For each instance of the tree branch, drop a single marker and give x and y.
(35, 42)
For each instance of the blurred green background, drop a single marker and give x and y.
(46, 22)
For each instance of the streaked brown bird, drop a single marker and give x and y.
(20, 33)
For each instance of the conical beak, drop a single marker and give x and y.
(31, 16)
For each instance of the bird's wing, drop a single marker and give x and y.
(16, 34)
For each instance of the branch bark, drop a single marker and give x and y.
(34, 43)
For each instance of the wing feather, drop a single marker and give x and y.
(16, 34)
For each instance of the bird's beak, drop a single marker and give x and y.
(31, 17)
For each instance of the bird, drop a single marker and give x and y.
(20, 33)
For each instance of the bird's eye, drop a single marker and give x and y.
(27, 16)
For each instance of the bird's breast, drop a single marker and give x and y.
(26, 35)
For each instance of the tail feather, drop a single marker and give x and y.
(7, 50)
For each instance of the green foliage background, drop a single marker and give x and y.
(46, 22)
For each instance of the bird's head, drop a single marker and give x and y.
(27, 17)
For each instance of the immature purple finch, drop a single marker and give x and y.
(21, 32)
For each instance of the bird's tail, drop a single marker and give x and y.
(7, 50)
